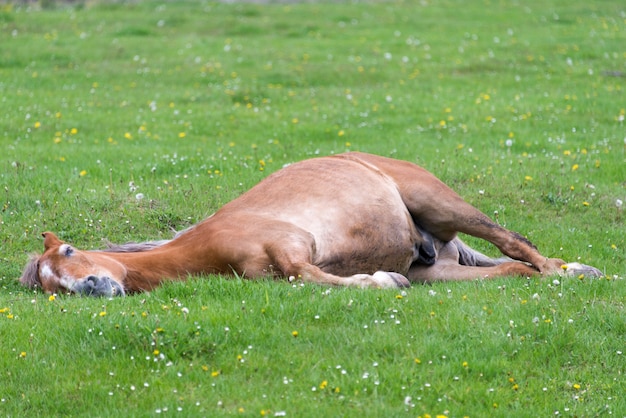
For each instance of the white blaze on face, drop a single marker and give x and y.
(45, 272)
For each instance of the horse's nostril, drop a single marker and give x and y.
(93, 279)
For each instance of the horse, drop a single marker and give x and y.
(351, 219)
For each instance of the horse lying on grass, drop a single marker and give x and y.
(352, 219)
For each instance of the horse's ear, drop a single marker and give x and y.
(50, 240)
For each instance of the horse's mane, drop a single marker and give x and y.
(133, 247)
(30, 275)
(137, 247)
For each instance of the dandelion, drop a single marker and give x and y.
(103, 313)
(323, 384)
(294, 333)
(585, 203)
(575, 167)
(576, 386)
(83, 173)
(528, 178)
(73, 131)
(51, 298)
(341, 133)
(23, 354)
(215, 373)
(127, 135)
(417, 361)
(465, 365)
(37, 125)
(182, 135)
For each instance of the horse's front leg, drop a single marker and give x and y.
(285, 249)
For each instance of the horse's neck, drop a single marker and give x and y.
(176, 260)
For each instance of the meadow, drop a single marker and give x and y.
(124, 121)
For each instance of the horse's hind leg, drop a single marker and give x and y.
(447, 268)
(438, 209)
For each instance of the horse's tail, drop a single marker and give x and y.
(470, 257)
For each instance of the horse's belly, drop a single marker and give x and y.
(383, 243)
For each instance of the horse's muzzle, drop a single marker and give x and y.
(98, 286)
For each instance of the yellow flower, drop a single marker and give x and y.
(465, 365)
(182, 135)
(83, 173)
(418, 361)
(294, 120)
(528, 178)
(10, 316)
(341, 133)
(23, 354)
(215, 373)
(294, 333)
(156, 352)
(398, 296)
(103, 313)
(127, 135)
(576, 386)
(585, 203)
(575, 167)
(37, 125)
(205, 368)
(73, 131)
(51, 298)
(323, 384)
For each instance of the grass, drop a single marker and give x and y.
(125, 120)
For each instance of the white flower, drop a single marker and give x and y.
(619, 203)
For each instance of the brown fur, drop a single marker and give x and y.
(351, 219)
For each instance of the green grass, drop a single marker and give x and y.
(517, 106)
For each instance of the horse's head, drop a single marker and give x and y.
(63, 268)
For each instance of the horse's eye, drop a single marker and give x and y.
(68, 251)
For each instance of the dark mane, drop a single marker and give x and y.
(137, 247)
(30, 275)
(133, 247)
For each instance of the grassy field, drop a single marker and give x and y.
(122, 121)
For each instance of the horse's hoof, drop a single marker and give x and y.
(390, 279)
(578, 270)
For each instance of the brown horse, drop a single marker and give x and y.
(352, 219)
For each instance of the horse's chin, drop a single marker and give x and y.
(98, 287)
